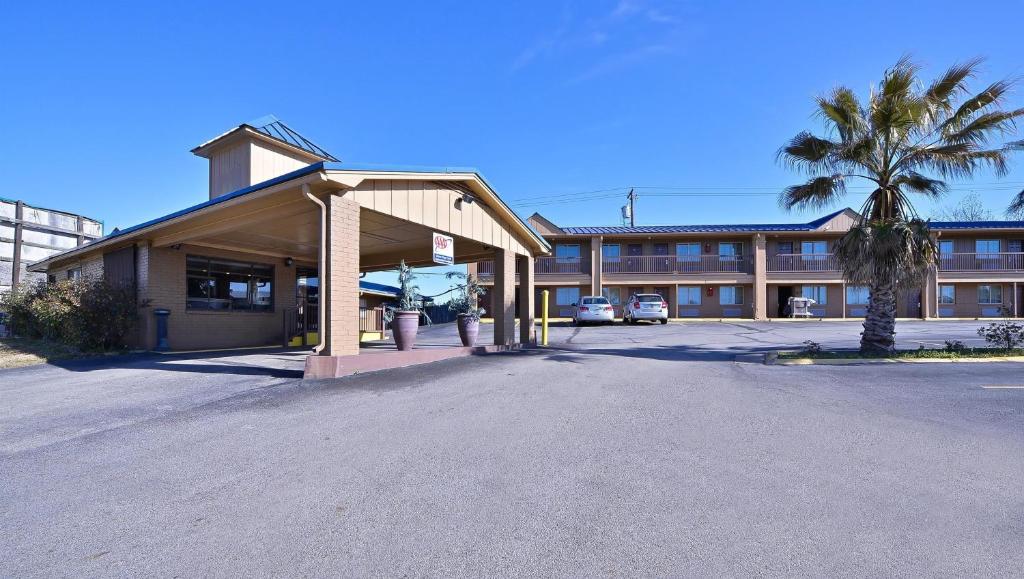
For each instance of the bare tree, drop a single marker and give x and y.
(970, 208)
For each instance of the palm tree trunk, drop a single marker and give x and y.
(879, 335)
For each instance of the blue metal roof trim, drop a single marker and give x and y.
(378, 287)
(977, 224)
(218, 200)
(743, 228)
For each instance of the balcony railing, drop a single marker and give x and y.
(670, 264)
(803, 262)
(544, 266)
(981, 262)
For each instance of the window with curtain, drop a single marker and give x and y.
(689, 295)
(214, 284)
(611, 251)
(567, 253)
(990, 294)
(814, 250)
(818, 293)
(567, 296)
(947, 294)
(987, 248)
(731, 250)
(687, 252)
(857, 295)
(730, 295)
(613, 294)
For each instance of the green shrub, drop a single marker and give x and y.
(87, 315)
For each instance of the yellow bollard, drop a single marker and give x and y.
(544, 318)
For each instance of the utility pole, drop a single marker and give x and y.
(632, 208)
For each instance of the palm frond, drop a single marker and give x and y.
(806, 152)
(965, 113)
(1016, 208)
(843, 110)
(919, 183)
(951, 84)
(979, 130)
(901, 251)
(817, 192)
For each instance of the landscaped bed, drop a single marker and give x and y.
(921, 354)
(18, 352)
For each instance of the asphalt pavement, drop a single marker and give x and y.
(639, 450)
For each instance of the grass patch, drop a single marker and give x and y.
(18, 352)
(935, 353)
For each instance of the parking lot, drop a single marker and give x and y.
(620, 450)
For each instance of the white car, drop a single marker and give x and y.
(645, 307)
(595, 309)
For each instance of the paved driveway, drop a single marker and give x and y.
(638, 450)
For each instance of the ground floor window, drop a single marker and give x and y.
(75, 274)
(613, 294)
(947, 294)
(214, 284)
(857, 295)
(567, 296)
(689, 295)
(990, 294)
(818, 293)
(730, 295)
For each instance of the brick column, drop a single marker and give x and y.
(526, 307)
(596, 265)
(341, 296)
(760, 278)
(504, 297)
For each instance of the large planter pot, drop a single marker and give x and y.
(404, 326)
(469, 328)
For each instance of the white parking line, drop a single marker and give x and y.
(1003, 386)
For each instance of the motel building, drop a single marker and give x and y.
(751, 271)
(274, 255)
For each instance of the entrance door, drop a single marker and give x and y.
(785, 292)
(914, 303)
(306, 326)
(634, 250)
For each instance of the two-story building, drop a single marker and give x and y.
(751, 270)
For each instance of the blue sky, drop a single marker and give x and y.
(549, 100)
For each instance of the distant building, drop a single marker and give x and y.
(30, 234)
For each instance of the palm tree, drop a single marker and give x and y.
(906, 140)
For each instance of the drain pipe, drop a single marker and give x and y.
(322, 261)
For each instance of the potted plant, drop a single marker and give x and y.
(405, 317)
(464, 305)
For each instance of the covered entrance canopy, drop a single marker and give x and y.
(342, 221)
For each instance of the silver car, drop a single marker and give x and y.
(593, 309)
(651, 307)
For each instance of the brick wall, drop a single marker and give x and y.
(162, 282)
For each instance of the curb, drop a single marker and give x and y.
(772, 359)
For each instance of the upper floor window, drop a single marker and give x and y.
(688, 252)
(731, 250)
(986, 248)
(946, 247)
(213, 284)
(814, 250)
(611, 251)
(567, 253)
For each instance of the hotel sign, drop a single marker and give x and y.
(444, 249)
